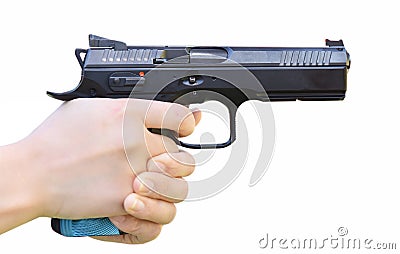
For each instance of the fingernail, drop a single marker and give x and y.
(135, 204)
(195, 110)
(146, 188)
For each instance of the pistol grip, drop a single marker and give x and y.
(85, 227)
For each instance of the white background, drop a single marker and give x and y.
(335, 163)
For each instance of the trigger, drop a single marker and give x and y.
(167, 133)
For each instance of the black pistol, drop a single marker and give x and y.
(189, 75)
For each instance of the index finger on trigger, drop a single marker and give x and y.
(163, 115)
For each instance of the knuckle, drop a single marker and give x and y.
(187, 159)
(180, 164)
(184, 115)
(131, 239)
(179, 110)
(156, 231)
(171, 215)
(181, 191)
(134, 226)
(153, 231)
(185, 189)
(189, 170)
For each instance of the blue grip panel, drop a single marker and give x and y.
(88, 227)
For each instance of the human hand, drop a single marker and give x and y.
(74, 164)
(151, 207)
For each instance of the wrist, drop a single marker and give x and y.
(19, 186)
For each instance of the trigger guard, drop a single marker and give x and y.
(174, 136)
